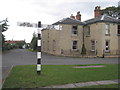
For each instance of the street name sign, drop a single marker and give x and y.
(27, 24)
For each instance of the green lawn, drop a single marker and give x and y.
(25, 76)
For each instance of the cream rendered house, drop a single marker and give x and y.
(100, 35)
(64, 37)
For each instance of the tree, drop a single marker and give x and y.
(3, 27)
(33, 44)
(112, 11)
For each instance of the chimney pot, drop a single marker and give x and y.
(97, 11)
(78, 16)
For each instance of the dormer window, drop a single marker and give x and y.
(74, 30)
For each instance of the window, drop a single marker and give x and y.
(92, 45)
(54, 45)
(88, 33)
(107, 29)
(74, 45)
(58, 27)
(74, 30)
(118, 31)
(107, 46)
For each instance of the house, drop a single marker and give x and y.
(100, 36)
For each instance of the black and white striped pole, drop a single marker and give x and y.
(39, 50)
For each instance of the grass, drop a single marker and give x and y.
(31, 50)
(25, 76)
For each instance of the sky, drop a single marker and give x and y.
(46, 11)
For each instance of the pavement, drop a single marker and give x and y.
(84, 84)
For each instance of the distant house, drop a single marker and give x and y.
(100, 36)
(14, 41)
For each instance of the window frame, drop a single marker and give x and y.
(88, 31)
(118, 29)
(74, 45)
(74, 31)
(107, 29)
(92, 47)
(58, 27)
(107, 46)
(54, 45)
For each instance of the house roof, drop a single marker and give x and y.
(102, 18)
(15, 41)
(69, 21)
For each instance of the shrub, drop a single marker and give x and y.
(83, 50)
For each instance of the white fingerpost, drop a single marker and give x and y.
(39, 50)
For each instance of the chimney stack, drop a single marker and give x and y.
(78, 16)
(72, 16)
(97, 11)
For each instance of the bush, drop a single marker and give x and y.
(83, 50)
(7, 46)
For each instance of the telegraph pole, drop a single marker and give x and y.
(39, 50)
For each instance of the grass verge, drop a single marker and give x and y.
(25, 76)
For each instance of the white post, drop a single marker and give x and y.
(39, 50)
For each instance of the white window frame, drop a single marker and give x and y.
(74, 45)
(58, 27)
(74, 30)
(107, 29)
(107, 46)
(92, 45)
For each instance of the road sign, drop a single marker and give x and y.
(34, 25)
(27, 24)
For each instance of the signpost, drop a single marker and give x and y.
(27, 24)
(39, 50)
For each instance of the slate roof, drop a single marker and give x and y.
(102, 18)
(69, 21)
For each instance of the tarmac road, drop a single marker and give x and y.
(25, 57)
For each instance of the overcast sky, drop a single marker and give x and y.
(46, 11)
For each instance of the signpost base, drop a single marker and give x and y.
(38, 72)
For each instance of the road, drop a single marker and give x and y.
(25, 57)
